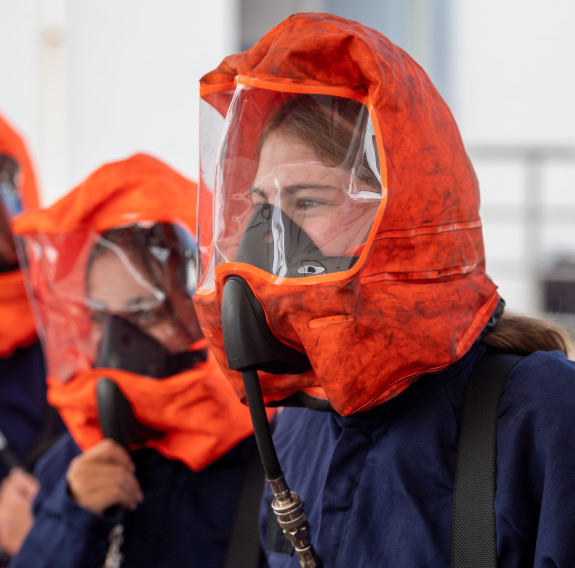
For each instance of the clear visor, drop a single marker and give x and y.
(141, 275)
(10, 197)
(294, 180)
(10, 206)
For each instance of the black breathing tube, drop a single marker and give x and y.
(251, 346)
(259, 417)
(117, 421)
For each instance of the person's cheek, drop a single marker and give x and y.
(96, 333)
(326, 233)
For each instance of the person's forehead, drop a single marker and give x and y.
(285, 148)
(109, 270)
(293, 165)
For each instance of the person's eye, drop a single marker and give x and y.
(304, 204)
(258, 199)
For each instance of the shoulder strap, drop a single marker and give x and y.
(474, 537)
(244, 548)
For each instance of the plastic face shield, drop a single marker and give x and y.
(294, 181)
(79, 281)
(10, 197)
(10, 206)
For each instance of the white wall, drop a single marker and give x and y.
(514, 84)
(19, 83)
(513, 70)
(90, 82)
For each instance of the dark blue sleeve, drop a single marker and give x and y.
(536, 463)
(58, 536)
(22, 400)
(377, 486)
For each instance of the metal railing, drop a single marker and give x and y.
(532, 212)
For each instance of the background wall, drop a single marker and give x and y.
(513, 92)
(92, 81)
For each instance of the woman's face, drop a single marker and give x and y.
(116, 288)
(316, 196)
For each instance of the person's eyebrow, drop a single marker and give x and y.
(296, 187)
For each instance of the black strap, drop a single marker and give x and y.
(474, 536)
(244, 548)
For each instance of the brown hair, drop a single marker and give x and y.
(524, 335)
(333, 126)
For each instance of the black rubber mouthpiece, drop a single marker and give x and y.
(116, 418)
(125, 346)
(248, 340)
(274, 243)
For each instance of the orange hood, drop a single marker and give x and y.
(17, 327)
(12, 144)
(200, 416)
(140, 188)
(198, 412)
(419, 298)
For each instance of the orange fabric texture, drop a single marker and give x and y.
(17, 326)
(422, 297)
(140, 188)
(199, 411)
(200, 414)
